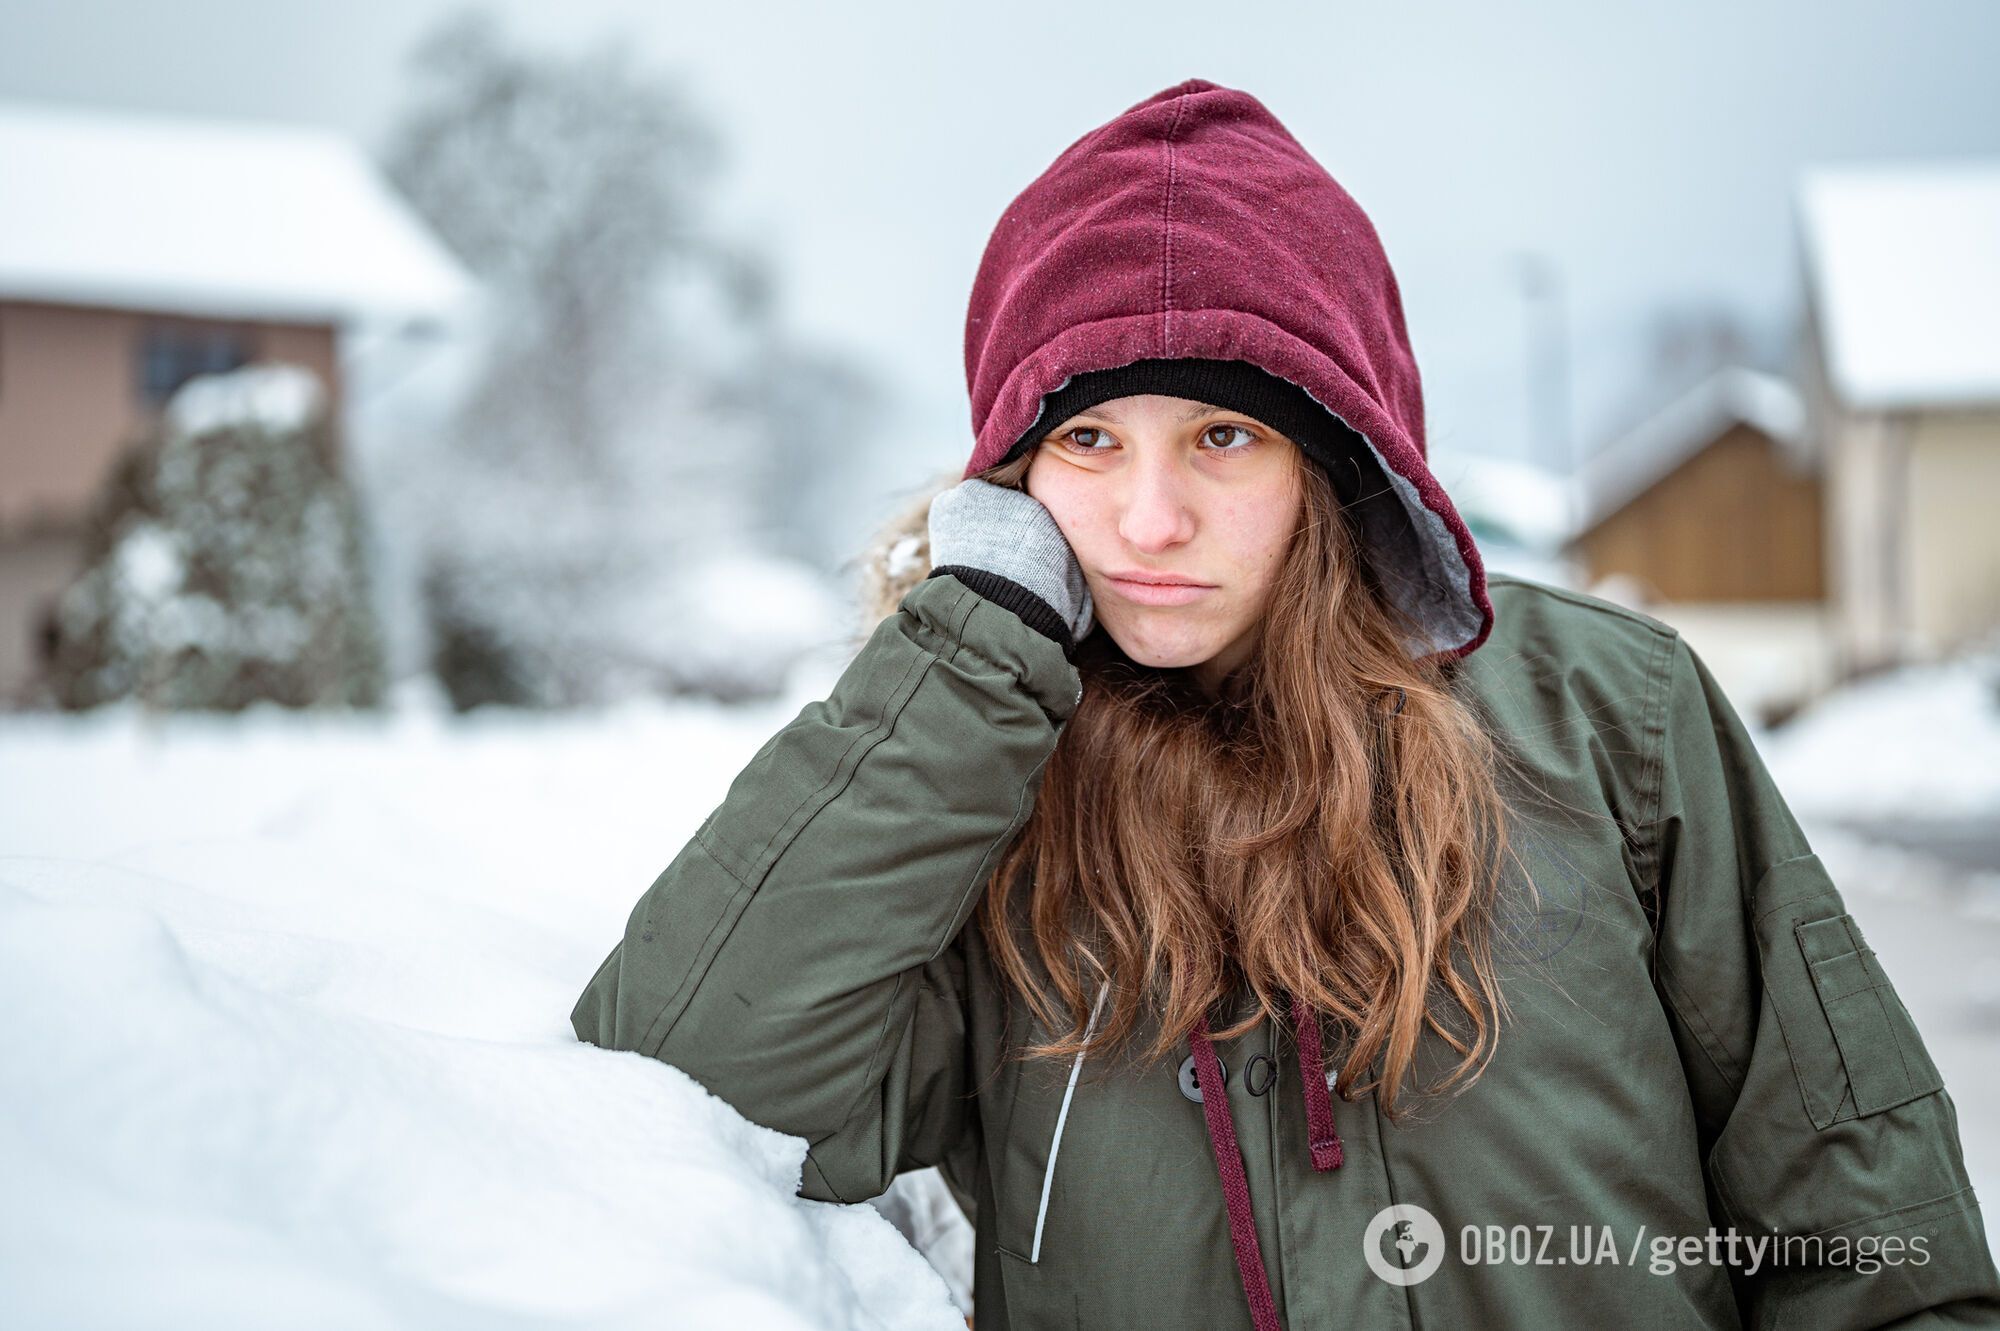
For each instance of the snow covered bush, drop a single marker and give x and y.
(223, 563)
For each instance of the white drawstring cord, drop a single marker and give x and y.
(1049, 1175)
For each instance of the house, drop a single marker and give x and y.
(137, 251)
(1714, 498)
(1710, 515)
(1801, 535)
(1902, 275)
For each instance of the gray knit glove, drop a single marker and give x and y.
(979, 525)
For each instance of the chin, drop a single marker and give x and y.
(1162, 651)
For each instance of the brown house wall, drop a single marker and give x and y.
(71, 396)
(1733, 523)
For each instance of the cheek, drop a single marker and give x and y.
(1261, 533)
(1071, 507)
(1281, 523)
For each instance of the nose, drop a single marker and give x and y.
(1157, 515)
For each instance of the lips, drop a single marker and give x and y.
(1158, 589)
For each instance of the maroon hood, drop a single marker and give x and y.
(1194, 225)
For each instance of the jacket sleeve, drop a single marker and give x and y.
(799, 957)
(1825, 1126)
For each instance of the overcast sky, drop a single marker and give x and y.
(1648, 153)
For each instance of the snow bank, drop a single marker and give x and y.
(1920, 741)
(287, 1037)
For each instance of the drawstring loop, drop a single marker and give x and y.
(1321, 1138)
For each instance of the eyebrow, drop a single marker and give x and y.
(1194, 413)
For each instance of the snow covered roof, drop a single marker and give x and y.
(220, 218)
(1636, 460)
(1904, 262)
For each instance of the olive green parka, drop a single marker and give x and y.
(1702, 1038)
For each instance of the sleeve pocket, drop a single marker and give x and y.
(1859, 1044)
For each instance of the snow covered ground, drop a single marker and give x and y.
(287, 1042)
(1920, 742)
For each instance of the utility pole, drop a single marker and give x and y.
(1549, 430)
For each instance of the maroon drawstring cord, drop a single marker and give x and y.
(1235, 1187)
(1324, 1141)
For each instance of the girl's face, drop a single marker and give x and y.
(1154, 487)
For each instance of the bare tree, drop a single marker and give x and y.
(636, 405)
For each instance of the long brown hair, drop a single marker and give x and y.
(1329, 828)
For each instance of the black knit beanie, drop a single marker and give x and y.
(1233, 385)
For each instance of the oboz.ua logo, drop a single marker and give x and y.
(1404, 1244)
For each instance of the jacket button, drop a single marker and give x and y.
(1191, 1085)
(1259, 1074)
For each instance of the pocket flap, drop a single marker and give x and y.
(1883, 1056)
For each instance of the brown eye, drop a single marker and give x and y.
(1219, 435)
(1085, 447)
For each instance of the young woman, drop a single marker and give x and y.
(1260, 914)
